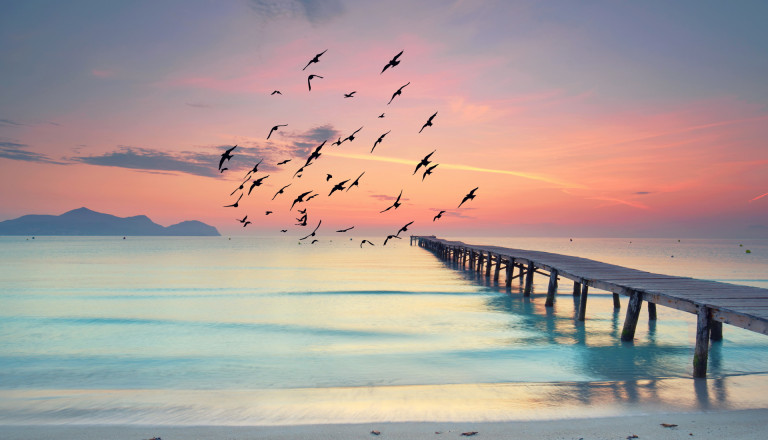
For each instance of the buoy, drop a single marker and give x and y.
(748, 251)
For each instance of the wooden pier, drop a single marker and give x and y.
(713, 303)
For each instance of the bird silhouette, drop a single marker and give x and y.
(268, 212)
(328, 177)
(429, 171)
(226, 156)
(256, 183)
(300, 199)
(424, 162)
(469, 196)
(351, 137)
(302, 221)
(316, 59)
(381, 115)
(284, 162)
(312, 234)
(309, 79)
(243, 220)
(345, 230)
(404, 228)
(276, 92)
(378, 141)
(338, 187)
(350, 94)
(283, 230)
(439, 215)
(298, 172)
(314, 241)
(275, 129)
(223, 169)
(393, 62)
(234, 205)
(302, 211)
(391, 236)
(240, 187)
(312, 196)
(397, 93)
(280, 191)
(315, 154)
(246, 223)
(255, 168)
(396, 204)
(428, 123)
(339, 142)
(356, 182)
(366, 241)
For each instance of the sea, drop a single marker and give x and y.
(274, 331)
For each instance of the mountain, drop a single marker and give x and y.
(83, 221)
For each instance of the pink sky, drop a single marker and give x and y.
(571, 119)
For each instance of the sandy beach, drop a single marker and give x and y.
(733, 425)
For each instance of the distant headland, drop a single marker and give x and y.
(83, 221)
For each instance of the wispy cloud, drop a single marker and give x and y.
(758, 197)
(15, 151)
(642, 193)
(9, 122)
(199, 164)
(315, 11)
(620, 202)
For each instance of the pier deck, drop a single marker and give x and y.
(713, 302)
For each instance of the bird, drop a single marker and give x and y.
(312, 196)
(381, 115)
(428, 123)
(356, 182)
(256, 183)
(339, 142)
(439, 215)
(284, 162)
(429, 171)
(280, 191)
(255, 168)
(469, 196)
(350, 94)
(404, 228)
(298, 172)
(302, 211)
(300, 199)
(312, 234)
(338, 187)
(246, 223)
(393, 62)
(396, 204)
(378, 141)
(351, 137)
(223, 169)
(268, 212)
(234, 205)
(243, 220)
(302, 221)
(315, 154)
(398, 92)
(366, 241)
(424, 162)
(275, 129)
(241, 186)
(283, 230)
(391, 236)
(276, 92)
(345, 230)
(314, 241)
(328, 177)
(309, 78)
(316, 59)
(226, 156)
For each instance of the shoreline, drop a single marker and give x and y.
(731, 424)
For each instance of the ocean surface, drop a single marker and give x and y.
(264, 331)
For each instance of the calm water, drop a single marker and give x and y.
(210, 330)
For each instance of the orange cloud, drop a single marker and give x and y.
(758, 197)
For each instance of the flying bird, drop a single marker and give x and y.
(428, 123)
(338, 187)
(350, 94)
(424, 162)
(226, 156)
(339, 142)
(255, 168)
(396, 204)
(312, 234)
(280, 191)
(234, 205)
(356, 182)
(309, 79)
(312, 196)
(381, 115)
(298, 172)
(275, 129)
(243, 220)
(302, 211)
(469, 196)
(328, 177)
(366, 241)
(398, 92)
(439, 215)
(404, 228)
(345, 230)
(391, 236)
(351, 137)
(240, 187)
(268, 212)
(315, 154)
(223, 169)
(256, 183)
(393, 62)
(316, 59)
(276, 92)
(314, 241)
(283, 230)
(284, 162)
(378, 141)
(429, 171)
(300, 199)
(246, 223)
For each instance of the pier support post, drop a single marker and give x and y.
(633, 313)
(576, 288)
(510, 271)
(498, 268)
(529, 279)
(488, 265)
(701, 352)
(616, 302)
(551, 289)
(651, 311)
(716, 331)
(480, 259)
(583, 301)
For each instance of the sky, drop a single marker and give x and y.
(572, 118)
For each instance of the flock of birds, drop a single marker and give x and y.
(306, 196)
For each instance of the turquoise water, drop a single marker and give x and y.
(214, 330)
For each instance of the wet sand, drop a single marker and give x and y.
(733, 425)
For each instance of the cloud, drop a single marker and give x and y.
(302, 144)
(314, 11)
(388, 197)
(14, 151)
(10, 122)
(198, 105)
(758, 197)
(642, 193)
(154, 160)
